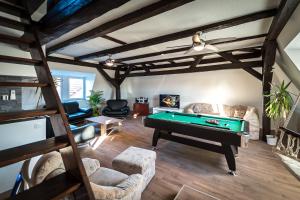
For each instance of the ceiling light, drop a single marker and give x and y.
(199, 47)
(109, 63)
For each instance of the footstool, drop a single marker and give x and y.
(136, 160)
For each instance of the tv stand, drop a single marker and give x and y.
(163, 109)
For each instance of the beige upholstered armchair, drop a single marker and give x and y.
(107, 184)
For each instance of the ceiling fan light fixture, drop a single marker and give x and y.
(109, 63)
(199, 47)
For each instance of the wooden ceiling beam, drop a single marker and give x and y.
(124, 21)
(183, 34)
(65, 23)
(76, 62)
(233, 59)
(285, 11)
(186, 48)
(200, 69)
(204, 61)
(12, 10)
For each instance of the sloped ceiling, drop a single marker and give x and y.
(190, 15)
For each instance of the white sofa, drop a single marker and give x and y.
(247, 113)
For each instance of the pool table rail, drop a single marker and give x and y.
(205, 132)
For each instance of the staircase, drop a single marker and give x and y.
(74, 180)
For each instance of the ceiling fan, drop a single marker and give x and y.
(109, 62)
(200, 44)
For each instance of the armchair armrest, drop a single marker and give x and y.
(125, 109)
(86, 110)
(131, 188)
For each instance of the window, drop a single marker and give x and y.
(75, 87)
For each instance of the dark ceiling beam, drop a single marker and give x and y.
(127, 72)
(185, 48)
(201, 69)
(124, 21)
(106, 76)
(241, 56)
(12, 24)
(203, 61)
(233, 59)
(33, 5)
(285, 11)
(12, 10)
(197, 61)
(96, 8)
(183, 34)
(75, 62)
(114, 40)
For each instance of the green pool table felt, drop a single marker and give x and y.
(231, 124)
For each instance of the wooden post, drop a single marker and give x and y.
(269, 53)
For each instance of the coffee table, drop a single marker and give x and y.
(189, 193)
(107, 124)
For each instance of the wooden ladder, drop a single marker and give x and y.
(74, 180)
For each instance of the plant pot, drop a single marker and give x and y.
(271, 140)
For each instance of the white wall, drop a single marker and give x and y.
(16, 134)
(223, 87)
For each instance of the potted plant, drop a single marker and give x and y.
(95, 101)
(278, 107)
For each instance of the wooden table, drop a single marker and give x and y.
(189, 193)
(106, 123)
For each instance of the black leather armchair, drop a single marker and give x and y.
(116, 108)
(74, 113)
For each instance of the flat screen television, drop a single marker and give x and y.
(169, 100)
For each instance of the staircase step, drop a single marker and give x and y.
(11, 116)
(22, 84)
(14, 40)
(12, 24)
(54, 188)
(17, 60)
(16, 154)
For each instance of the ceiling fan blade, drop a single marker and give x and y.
(219, 40)
(211, 47)
(189, 51)
(178, 46)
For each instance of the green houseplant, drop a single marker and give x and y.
(95, 101)
(280, 104)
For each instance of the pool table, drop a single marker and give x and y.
(223, 136)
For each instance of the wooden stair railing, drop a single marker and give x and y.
(74, 180)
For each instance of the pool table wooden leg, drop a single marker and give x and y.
(229, 152)
(155, 138)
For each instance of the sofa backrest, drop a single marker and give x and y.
(71, 107)
(117, 104)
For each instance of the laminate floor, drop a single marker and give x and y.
(261, 175)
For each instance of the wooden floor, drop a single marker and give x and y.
(261, 175)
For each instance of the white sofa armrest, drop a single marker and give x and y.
(129, 189)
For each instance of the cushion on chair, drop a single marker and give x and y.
(107, 177)
(48, 166)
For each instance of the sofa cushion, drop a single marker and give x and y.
(226, 110)
(76, 115)
(204, 108)
(239, 111)
(107, 177)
